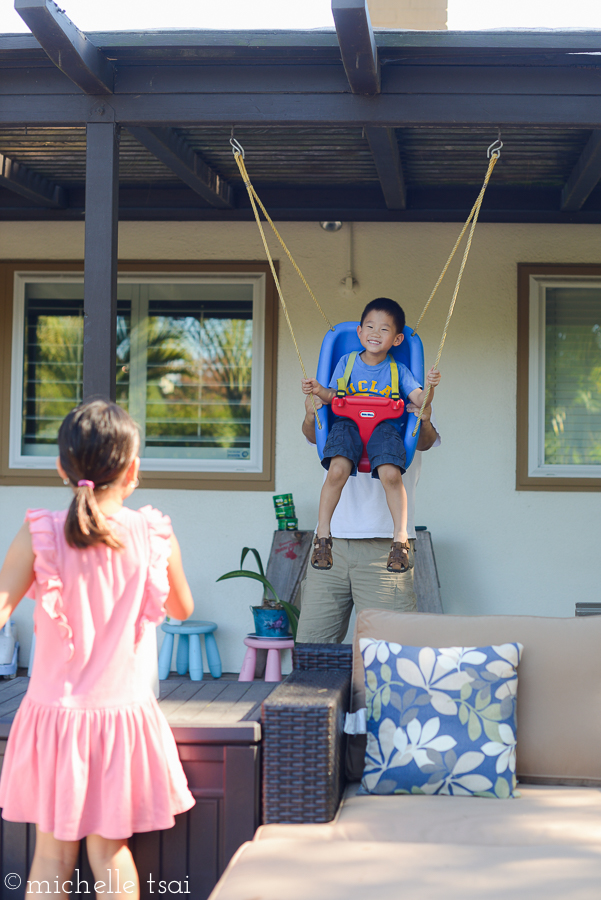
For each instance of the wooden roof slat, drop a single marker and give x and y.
(305, 156)
(298, 155)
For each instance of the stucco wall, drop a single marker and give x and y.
(498, 551)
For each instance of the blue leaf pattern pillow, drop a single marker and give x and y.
(440, 721)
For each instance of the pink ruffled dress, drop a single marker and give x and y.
(89, 750)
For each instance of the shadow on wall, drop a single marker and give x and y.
(457, 558)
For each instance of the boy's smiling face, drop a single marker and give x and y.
(378, 334)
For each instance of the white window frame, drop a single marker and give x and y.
(17, 460)
(537, 468)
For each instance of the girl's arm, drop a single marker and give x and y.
(312, 386)
(432, 378)
(180, 604)
(16, 574)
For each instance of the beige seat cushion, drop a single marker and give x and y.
(559, 816)
(559, 684)
(357, 870)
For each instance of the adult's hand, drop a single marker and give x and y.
(308, 426)
(427, 433)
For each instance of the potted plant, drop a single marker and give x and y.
(275, 617)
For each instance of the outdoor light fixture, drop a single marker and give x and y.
(331, 226)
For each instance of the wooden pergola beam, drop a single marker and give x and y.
(173, 150)
(88, 68)
(24, 181)
(340, 110)
(385, 151)
(68, 48)
(585, 175)
(357, 45)
(100, 262)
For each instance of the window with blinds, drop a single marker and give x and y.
(559, 378)
(189, 368)
(572, 376)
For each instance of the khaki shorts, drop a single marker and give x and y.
(358, 577)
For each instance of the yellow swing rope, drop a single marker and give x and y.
(252, 194)
(473, 218)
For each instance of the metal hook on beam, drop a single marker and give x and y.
(496, 147)
(237, 147)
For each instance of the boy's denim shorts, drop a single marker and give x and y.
(384, 446)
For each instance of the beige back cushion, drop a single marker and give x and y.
(559, 684)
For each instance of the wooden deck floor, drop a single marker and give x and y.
(222, 701)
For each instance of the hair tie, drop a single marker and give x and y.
(85, 483)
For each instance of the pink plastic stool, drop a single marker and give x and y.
(273, 669)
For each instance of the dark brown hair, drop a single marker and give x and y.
(97, 441)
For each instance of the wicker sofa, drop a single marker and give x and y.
(546, 844)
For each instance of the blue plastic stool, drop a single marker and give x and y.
(189, 654)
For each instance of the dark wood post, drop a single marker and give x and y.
(100, 267)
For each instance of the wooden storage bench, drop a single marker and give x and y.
(218, 734)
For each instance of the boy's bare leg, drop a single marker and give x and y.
(338, 475)
(396, 497)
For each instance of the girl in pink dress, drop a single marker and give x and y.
(90, 754)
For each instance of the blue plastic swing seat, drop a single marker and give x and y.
(344, 340)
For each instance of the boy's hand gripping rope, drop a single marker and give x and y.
(493, 152)
(238, 152)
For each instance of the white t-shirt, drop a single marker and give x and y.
(363, 511)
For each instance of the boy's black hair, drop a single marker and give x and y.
(390, 307)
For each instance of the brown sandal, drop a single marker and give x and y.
(400, 557)
(322, 553)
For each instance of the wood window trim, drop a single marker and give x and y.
(525, 482)
(215, 481)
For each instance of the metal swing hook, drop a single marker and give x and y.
(236, 147)
(495, 148)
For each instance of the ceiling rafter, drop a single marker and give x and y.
(362, 66)
(585, 175)
(357, 45)
(70, 49)
(88, 68)
(385, 151)
(24, 181)
(173, 150)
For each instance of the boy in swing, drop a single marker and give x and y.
(381, 328)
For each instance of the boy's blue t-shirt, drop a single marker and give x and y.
(375, 380)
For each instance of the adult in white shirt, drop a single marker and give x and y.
(361, 532)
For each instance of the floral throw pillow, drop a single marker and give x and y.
(440, 721)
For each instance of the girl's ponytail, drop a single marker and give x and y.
(97, 442)
(86, 524)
